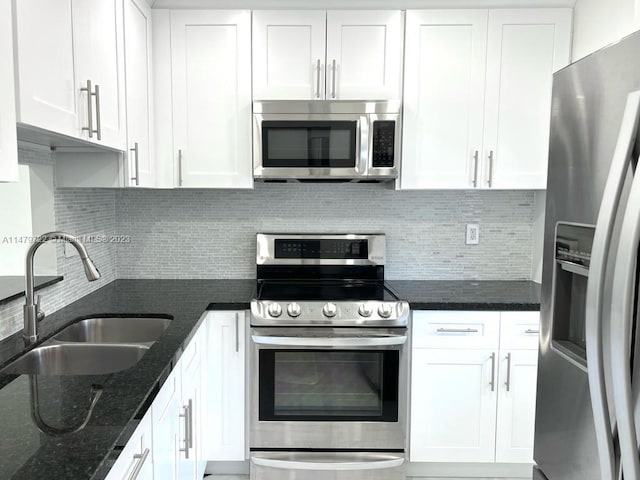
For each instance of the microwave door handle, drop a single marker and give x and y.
(333, 466)
(596, 285)
(313, 342)
(363, 155)
(622, 312)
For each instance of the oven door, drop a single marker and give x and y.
(310, 146)
(328, 388)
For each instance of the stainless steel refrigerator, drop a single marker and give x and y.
(588, 380)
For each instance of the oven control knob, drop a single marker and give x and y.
(365, 310)
(330, 310)
(293, 310)
(384, 310)
(275, 310)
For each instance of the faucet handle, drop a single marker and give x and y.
(39, 313)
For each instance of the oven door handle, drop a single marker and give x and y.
(364, 464)
(329, 341)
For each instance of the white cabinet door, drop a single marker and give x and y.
(364, 55)
(8, 142)
(137, 38)
(516, 406)
(225, 370)
(166, 411)
(525, 47)
(136, 459)
(443, 98)
(289, 55)
(99, 49)
(211, 84)
(47, 92)
(453, 405)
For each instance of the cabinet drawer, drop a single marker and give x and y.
(168, 395)
(444, 329)
(519, 330)
(192, 355)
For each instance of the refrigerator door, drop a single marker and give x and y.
(588, 105)
(623, 303)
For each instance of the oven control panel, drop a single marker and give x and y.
(368, 313)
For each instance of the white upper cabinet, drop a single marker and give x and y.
(317, 55)
(288, 54)
(76, 42)
(364, 55)
(525, 47)
(211, 91)
(444, 98)
(47, 93)
(478, 96)
(8, 142)
(137, 38)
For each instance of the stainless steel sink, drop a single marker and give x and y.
(143, 330)
(77, 359)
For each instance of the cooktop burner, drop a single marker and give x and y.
(323, 291)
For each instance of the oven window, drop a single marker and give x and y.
(309, 144)
(333, 385)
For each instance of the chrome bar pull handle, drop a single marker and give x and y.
(318, 70)
(141, 458)
(98, 124)
(333, 81)
(508, 382)
(530, 331)
(180, 167)
(493, 372)
(185, 415)
(237, 333)
(136, 178)
(89, 128)
(190, 410)
(490, 179)
(475, 169)
(457, 330)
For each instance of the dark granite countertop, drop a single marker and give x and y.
(27, 453)
(12, 287)
(468, 295)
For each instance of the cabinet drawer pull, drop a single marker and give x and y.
(187, 427)
(318, 70)
(98, 125)
(180, 167)
(508, 382)
(475, 169)
(457, 330)
(333, 84)
(141, 458)
(237, 333)
(531, 331)
(89, 128)
(137, 165)
(490, 179)
(493, 372)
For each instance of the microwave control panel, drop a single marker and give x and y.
(383, 143)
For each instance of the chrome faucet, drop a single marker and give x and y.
(32, 312)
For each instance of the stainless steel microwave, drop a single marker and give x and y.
(326, 140)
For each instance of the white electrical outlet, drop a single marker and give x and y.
(473, 232)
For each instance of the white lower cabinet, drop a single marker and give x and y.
(198, 414)
(225, 387)
(473, 386)
(453, 413)
(135, 460)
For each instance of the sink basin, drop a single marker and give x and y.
(115, 330)
(77, 359)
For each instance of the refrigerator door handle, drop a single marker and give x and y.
(596, 285)
(622, 312)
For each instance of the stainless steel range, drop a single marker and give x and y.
(329, 361)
